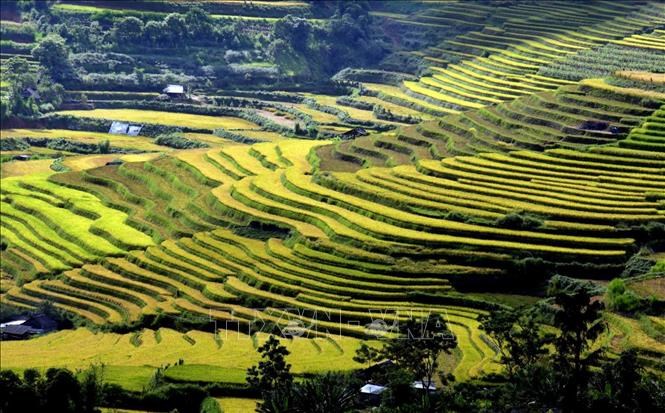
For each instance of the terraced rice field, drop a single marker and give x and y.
(387, 214)
(501, 62)
(232, 352)
(40, 166)
(139, 143)
(165, 118)
(563, 119)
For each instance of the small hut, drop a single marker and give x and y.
(174, 91)
(354, 133)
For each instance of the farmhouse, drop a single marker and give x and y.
(122, 128)
(419, 385)
(30, 93)
(354, 133)
(27, 327)
(174, 91)
(371, 393)
(119, 128)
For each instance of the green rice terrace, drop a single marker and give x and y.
(181, 180)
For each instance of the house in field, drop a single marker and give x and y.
(22, 157)
(174, 91)
(122, 128)
(354, 133)
(370, 394)
(25, 328)
(134, 130)
(115, 162)
(41, 323)
(119, 128)
(30, 93)
(419, 385)
(15, 332)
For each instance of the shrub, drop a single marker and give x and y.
(13, 144)
(210, 405)
(638, 264)
(621, 299)
(178, 141)
(519, 220)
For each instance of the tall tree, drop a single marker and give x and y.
(579, 320)
(517, 336)
(52, 53)
(329, 393)
(366, 354)
(418, 347)
(272, 375)
(128, 30)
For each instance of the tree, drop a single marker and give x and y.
(128, 30)
(153, 32)
(52, 53)
(280, 400)
(12, 392)
(92, 388)
(104, 146)
(175, 28)
(50, 92)
(18, 74)
(517, 336)
(294, 31)
(62, 392)
(199, 23)
(273, 373)
(578, 319)
(621, 299)
(329, 393)
(366, 354)
(418, 347)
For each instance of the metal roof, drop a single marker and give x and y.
(119, 128)
(421, 385)
(174, 89)
(372, 389)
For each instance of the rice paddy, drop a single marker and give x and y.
(165, 118)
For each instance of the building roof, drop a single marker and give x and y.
(134, 130)
(17, 330)
(421, 385)
(41, 322)
(119, 128)
(372, 389)
(12, 323)
(178, 89)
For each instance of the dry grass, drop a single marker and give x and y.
(81, 163)
(22, 168)
(643, 76)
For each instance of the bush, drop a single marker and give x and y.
(178, 141)
(236, 137)
(621, 299)
(519, 220)
(210, 405)
(372, 76)
(13, 144)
